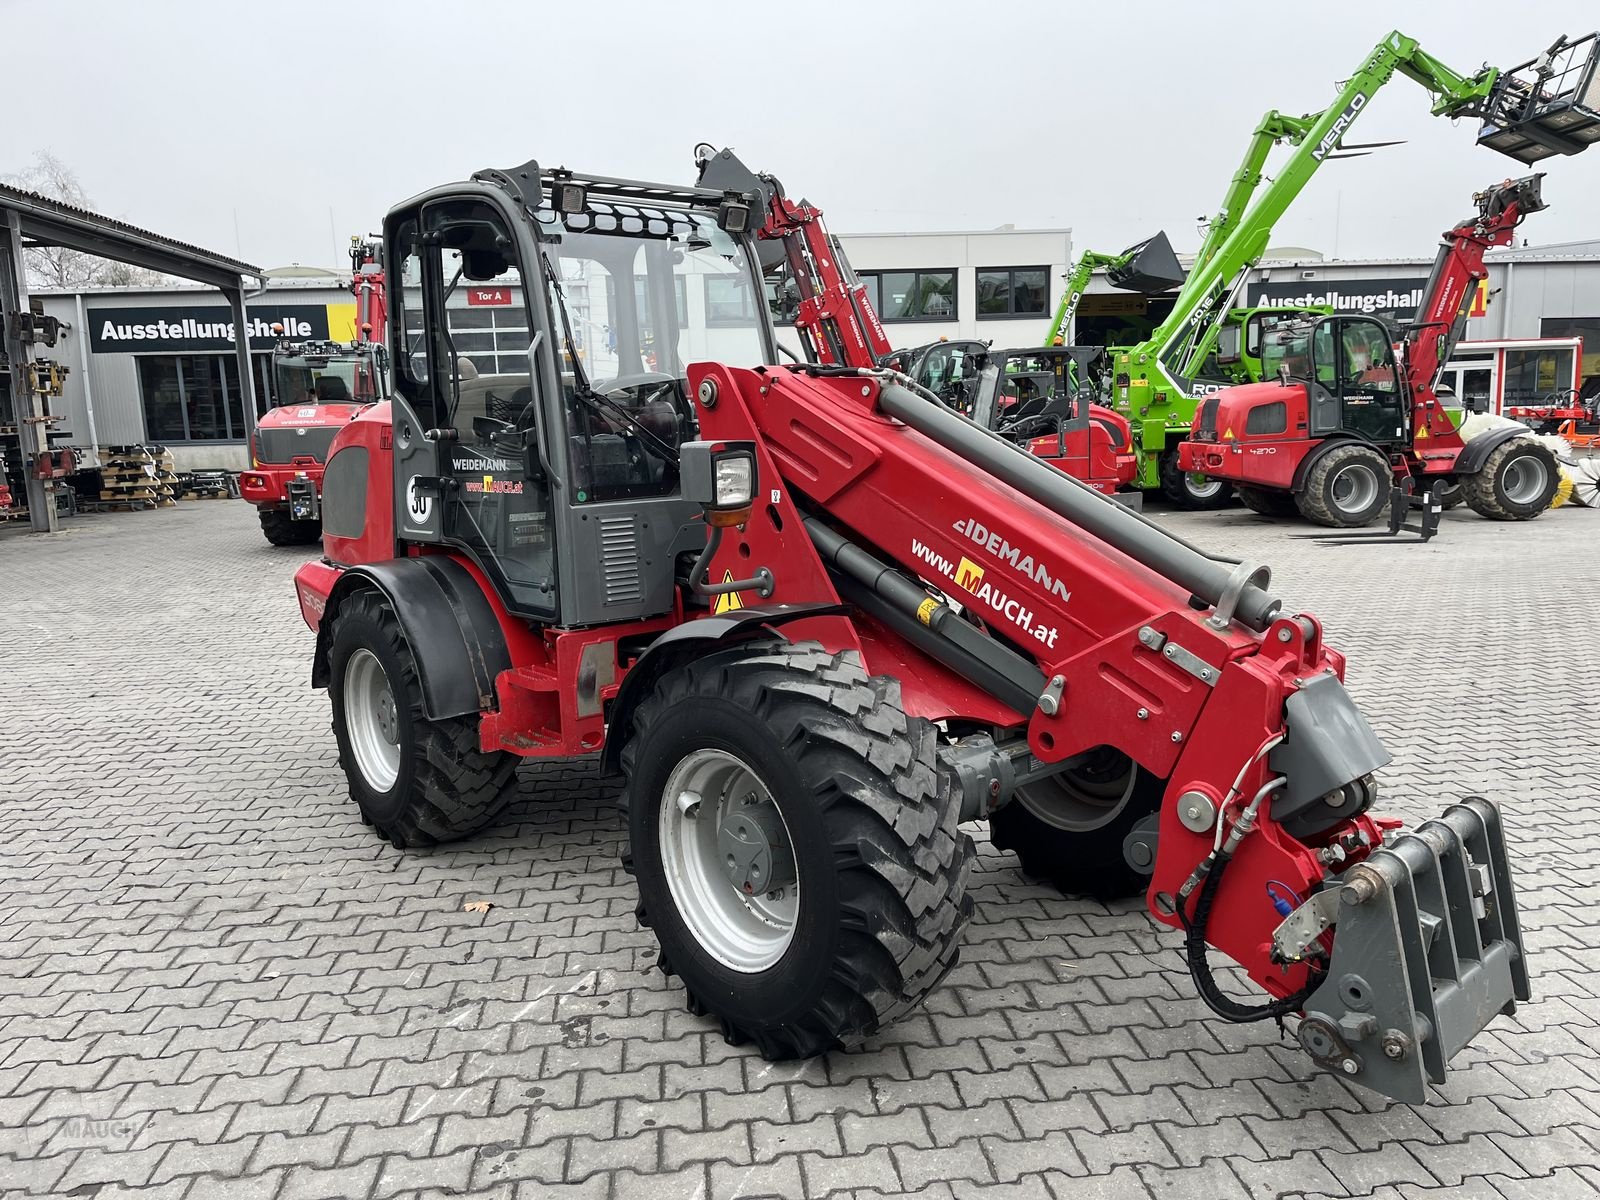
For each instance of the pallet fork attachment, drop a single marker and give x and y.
(1403, 500)
(1428, 952)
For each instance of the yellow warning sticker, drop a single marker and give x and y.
(1422, 431)
(1227, 435)
(969, 575)
(728, 601)
(926, 609)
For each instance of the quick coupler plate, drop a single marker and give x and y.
(1426, 952)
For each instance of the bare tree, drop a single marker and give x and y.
(57, 266)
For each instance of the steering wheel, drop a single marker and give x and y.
(624, 383)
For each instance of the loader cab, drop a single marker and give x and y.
(1242, 335)
(1351, 375)
(541, 357)
(329, 373)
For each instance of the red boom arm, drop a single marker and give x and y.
(1448, 296)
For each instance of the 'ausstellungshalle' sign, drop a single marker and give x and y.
(1400, 297)
(196, 329)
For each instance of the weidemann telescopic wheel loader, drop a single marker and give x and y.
(818, 622)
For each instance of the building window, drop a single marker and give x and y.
(912, 295)
(729, 301)
(1588, 328)
(197, 397)
(1013, 291)
(1538, 376)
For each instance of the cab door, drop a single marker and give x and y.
(1356, 384)
(1370, 392)
(470, 462)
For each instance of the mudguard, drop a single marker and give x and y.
(685, 641)
(1470, 460)
(1328, 444)
(1428, 950)
(447, 622)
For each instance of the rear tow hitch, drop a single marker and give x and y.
(1428, 951)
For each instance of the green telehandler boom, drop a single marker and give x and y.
(1544, 107)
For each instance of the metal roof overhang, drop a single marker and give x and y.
(47, 222)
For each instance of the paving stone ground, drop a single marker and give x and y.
(215, 982)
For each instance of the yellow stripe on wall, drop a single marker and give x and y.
(342, 322)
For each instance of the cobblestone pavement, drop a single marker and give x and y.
(215, 982)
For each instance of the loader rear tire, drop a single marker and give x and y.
(1347, 487)
(865, 868)
(1517, 482)
(281, 530)
(1196, 493)
(1267, 502)
(1069, 829)
(417, 782)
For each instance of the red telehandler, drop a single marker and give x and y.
(1353, 409)
(1030, 397)
(318, 387)
(818, 622)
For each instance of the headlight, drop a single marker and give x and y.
(721, 478)
(736, 477)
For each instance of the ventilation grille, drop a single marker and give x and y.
(1208, 416)
(619, 558)
(1268, 418)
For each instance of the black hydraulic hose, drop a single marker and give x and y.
(1083, 506)
(1194, 946)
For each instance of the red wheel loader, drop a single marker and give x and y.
(318, 387)
(1354, 409)
(818, 623)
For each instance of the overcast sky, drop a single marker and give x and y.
(273, 131)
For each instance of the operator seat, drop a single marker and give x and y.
(332, 389)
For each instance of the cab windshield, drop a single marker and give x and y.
(651, 305)
(636, 295)
(1286, 345)
(317, 380)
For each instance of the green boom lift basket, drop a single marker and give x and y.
(1548, 106)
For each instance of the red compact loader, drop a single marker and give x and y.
(818, 622)
(1353, 409)
(318, 387)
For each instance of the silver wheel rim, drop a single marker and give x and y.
(1201, 487)
(729, 861)
(371, 719)
(1354, 487)
(1084, 798)
(1524, 479)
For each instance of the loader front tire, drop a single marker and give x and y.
(1069, 829)
(281, 530)
(1189, 490)
(1347, 487)
(795, 845)
(417, 781)
(1517, 481)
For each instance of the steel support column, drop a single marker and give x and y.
(241, 349)
(26, 405)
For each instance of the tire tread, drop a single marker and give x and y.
(890, 815)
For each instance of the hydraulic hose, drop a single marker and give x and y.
(1194, 945)
(1211, 871)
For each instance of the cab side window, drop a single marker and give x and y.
(1325, 355)
(411, 363)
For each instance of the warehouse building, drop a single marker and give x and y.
(155, 365)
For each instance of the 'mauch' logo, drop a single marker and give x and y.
(969, 575)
